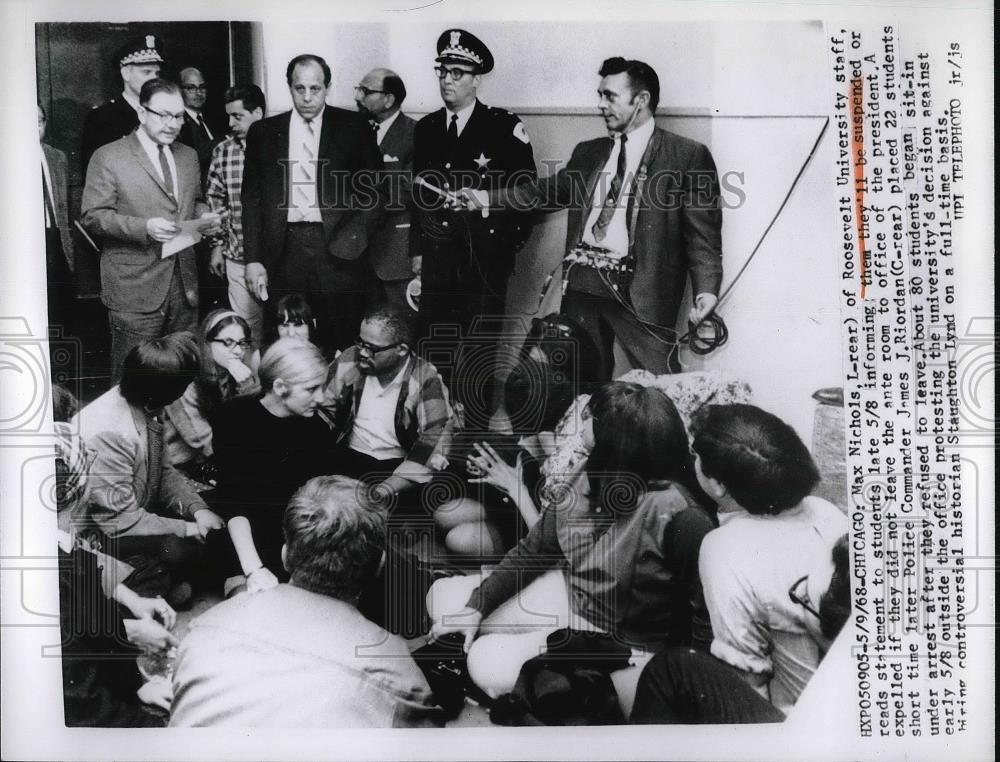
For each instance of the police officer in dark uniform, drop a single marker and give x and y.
(464, 258)
(139, 61)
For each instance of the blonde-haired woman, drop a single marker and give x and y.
(265, 449)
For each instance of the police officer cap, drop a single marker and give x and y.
(459, 46)
(144, 49)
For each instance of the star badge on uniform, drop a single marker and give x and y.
(482, 161)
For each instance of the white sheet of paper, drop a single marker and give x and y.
(190, 235)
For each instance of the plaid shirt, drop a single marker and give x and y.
(225, 179)
(422, 415)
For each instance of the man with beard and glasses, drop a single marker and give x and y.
(390, 407)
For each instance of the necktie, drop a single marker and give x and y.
(50, 213)
(154, 454)
(453, 127)
(204, 127)
(600, 228)
(304, 173)
(168, 179)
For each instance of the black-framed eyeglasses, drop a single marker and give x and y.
(293, 322)
(366, 91)
(230, 343)
(799, 595)
(374, 349)
(202, 88)
(453, 73)
(164, 116)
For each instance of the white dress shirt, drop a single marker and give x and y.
(374, 431)
(383, 127)
(152, 149)
(196, 115)
(616, 237)
(304, 203)
(463, 117)
(48, 185)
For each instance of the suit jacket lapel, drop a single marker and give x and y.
(143, 158)
(647, 159)
(600, 159)
(392, 136)
(326, 132)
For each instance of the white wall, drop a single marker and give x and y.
(749, 90)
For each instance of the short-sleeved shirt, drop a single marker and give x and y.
(747, 567)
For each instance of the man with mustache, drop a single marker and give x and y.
(389, 407)
(139, 189)
(644, 217)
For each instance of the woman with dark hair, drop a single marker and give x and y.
(266, 448)
(227, 371)
(628, 530)
(295, 318)
(140, 503)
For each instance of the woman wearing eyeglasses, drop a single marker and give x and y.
(266, 447)
(227, 371)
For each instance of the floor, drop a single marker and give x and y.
(84, 370)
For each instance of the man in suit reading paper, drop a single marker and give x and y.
(139, 189)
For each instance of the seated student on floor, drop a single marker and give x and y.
(685, 686)
(301, 654)
(228, 370)
(267, 447)
(503, 471)
(771, 533)
(630, 529)
(295, 319)
(388, 406)
(103, 622)
(139, 502)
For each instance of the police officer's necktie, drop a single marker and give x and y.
(168, 179)
(453, 128)
(600, 228)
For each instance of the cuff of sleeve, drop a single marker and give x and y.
(757, 665)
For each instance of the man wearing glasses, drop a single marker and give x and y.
(195, 131)
(138, 190)
(465, 259)
(139, 61)
(379, 97)
(389, 407)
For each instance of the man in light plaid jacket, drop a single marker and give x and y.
(388, 406)
(244, 105)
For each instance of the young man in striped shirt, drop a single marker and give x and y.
(244, 105)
